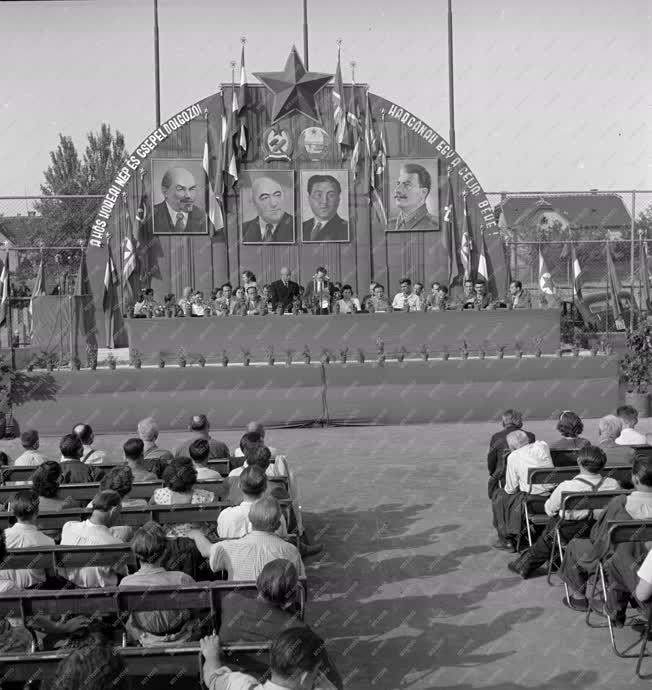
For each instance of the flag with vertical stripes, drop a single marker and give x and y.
(371, 151)
(4, 289)
(454, 271)
(483, 271)
(233, 137)
(212, 205)
(342, 131)
(644, 275)
(614, 290)
(243, 105)
(576, 273)
(39, 286)
(466, 247)
(381, 155)
(546, 284)
(129, 254)
(353, 116)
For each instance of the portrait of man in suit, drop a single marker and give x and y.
(268, 195)
(178, 212)
(322, 214)
(414, 198)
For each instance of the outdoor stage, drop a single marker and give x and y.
(444, 331)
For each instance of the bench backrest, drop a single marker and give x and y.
(588, 500)
(630, 531)
(564, 458)
(115, 556)
(557, 475)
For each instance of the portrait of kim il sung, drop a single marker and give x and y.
(267, 206)
(178, 197)
(325, 206)
(413, 195)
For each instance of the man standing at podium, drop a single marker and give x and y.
(282, 292)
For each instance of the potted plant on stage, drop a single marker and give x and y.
(201, 360)
(635, 370)
(136, 360)
(306, 354)
(111, 360)
(361, 355)
(424, 352)
(181, 357)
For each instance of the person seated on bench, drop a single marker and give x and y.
(298, 661)
(29, 440)
(256, 435)
(90, 455)
(245, 558)
(582, 556)
(155, 459)
(73, 470)
(233, 523)
(256, 455)
(507, 503)
(179, 479)
(15, 638)
(94, 531)
(46, 481)
(121, 479)
(609, 429)
(512, 420)
(25, 533)
(629, 436)
(570, 426)
(577, 523)
(200, 427)
(151, 628)
(199, 451)
(132, 451)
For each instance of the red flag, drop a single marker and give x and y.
(483, 271)
(4, 290)
(614, 290)
(110, 296)
(454, 270)
(342, 131)
(466, 249)
(129, 253)
(644, 275)
(354, 122)
(213, 210)
(371, 145)
(243, 105)
(233, 137)
(576, 272)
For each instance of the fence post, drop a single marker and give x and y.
(633, 224)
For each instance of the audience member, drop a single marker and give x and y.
(254, 428)
(199, 451)
(25, 533)
(151, 628)
(576, 523)
(46, 481)
(121, 480)
(609, 428)
(132, 451)
(367, 297)
(507, 503)
(4, 459)
(519, 298)
(179, 479)
(297, 660)
(233, 523)
(199, 307)
(245, 558)
(73, 470)
(29, 440)
(199, 426)
(570, 426)
(512, 420)
(95, 531)
(90, 455)
(629, 436)
(583, 555)
(154, 458)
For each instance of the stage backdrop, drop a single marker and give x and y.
(175, 251)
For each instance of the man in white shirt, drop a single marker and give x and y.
(245, 558)
(255, 436)
(507, 503)
(629, 436)
(577, 523)
(95, 531)
(298, 659)
(24, 506)
(90, 456)
(406, 300)
(31, 457)
(200, 450)
(233, 523)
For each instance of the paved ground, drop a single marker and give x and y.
(408, 592)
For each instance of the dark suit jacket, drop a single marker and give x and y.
(421, 220)
(337, 229)
(498, 444)
(279, 294)
(196, 223)
(284, 230)
(310, 295)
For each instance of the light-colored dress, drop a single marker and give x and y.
(167, 497)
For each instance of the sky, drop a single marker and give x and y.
(549, 95)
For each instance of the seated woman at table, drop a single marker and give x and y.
(145, 305)
(239, 302)
(347, 304)
(199, 306)
(170, 306)
(179, 479)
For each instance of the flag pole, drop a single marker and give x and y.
(451, 90)
(305, 34)
(609, 289)
(10, 326)
(631, 286)
(157, 76)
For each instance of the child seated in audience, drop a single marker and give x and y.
(29, 440)
(577, 523)
(73, 470)
(629, 436)
(570, 426)
(582, 556)
(150, 628)
(233, 523)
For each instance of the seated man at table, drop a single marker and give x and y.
(507, 503)
(95, 531)
(406, 300)
(519, 298)
(468, 299)
(256, 304)
(576, 523)
(582, 556)
(245, 558)
(200, 426)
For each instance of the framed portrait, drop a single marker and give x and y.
(413, 195)
(178, 197)
(325, 206)
(267, 206)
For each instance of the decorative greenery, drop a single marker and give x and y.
(49, 358)
(225, 358)
(135, 358)
(594, 350)
(464, 350)
(289, 354)
(111, 361)
(518, 349)
(424, 352)
(75, 363)
(344, 354)
(558, 352)
(501, 351)
(161, 360)
(246, 356)
(306, 354)
(445, 354)
(635, 365)
(269, 355)
(91, 356)
(182, 360)
(380, 346)
(538, 342)
(401, 354)
(361, 355)
(325, 357)
(201, 360)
